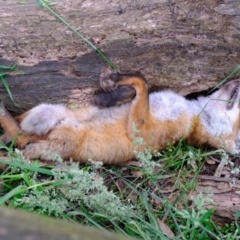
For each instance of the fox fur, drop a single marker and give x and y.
(107, 135)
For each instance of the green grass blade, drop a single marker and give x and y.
(7, 87)
(3, 67)
(149, 211)
(46, 4)
(12, 176)
(12, 193)
(5, 84)
(12, 67)
(235, 70)
(28, 167)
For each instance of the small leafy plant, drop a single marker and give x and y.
(110, 198)
(4, 70)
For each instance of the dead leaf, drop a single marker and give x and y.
(133, 163)
(137, 174)
(165, 228)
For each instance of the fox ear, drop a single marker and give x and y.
(233, 96)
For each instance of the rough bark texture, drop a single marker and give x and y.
(224, 194)
(15, 224)
(187, 45)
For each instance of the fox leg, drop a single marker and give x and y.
(48, 150)
(9, 125)
(139, 114)
(5, 139)
(61, 142)
(12, 130)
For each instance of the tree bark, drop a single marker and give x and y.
(15, 224)
(224, 193)
(187, 45)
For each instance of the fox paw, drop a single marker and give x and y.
(39, 151)
(117, 97)
(110, 82)
(47, 151)
(32, 151)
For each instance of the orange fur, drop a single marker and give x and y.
(108, 135)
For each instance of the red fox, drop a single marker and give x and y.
(107, 134)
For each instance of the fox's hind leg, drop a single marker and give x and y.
(139, 114)
(61, 142)
(12, 130)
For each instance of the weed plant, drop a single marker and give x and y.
(128, 200)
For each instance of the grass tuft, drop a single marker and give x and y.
(118, 198)
(4, 70)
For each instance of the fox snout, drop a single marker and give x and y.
(234, 94)
(229, 94)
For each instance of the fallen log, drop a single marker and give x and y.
(16, 224)
(224, 193)
(184, 45)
